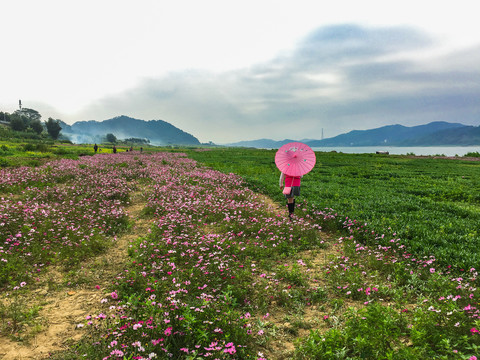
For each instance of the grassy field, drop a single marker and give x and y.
(379, 262)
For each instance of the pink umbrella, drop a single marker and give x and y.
(295, 159)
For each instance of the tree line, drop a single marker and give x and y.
(29, 120)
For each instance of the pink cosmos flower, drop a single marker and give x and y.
(230, 350)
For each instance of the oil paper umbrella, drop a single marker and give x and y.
(295, 159)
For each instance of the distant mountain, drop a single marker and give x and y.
(432, 134)
(159, 132)
(392, 135)
(461, 136)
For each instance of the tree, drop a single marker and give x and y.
(17, 123)
(111, 138)
(137, 141)
(53, 128)
(29, 113)
(4, 116)
(36, 126)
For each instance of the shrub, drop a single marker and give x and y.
(472, 154)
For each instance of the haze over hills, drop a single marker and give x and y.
(432, 134)
(158, 132)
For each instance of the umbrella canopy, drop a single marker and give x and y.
(295, 159)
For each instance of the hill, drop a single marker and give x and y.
(158, 132)
(461, 136)
(433, 134)
(394, 135)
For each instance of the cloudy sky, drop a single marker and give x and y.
(227, 71)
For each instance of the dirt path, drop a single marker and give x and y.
(286, 326)
(61, 310)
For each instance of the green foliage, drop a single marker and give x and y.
(472, 154)
(136, 141)
(292, 275)
(110, 138)
(4, 116)
(375, 332)
(24, 120)
(53, 128)
(17, 123)
(29, 115)
(21, 152)
(36, 126)
(4, 162)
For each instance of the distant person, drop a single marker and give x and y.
(131, 148)
(95, 148)
(114, 149)
(141, 149)
(291, 183)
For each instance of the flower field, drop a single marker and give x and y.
(222, 273)
(61, 212)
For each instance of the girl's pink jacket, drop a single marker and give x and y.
(289, 180)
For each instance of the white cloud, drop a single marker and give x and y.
(317, 86)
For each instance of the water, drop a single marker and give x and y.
(394, 150)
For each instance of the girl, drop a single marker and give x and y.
(294, 183)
